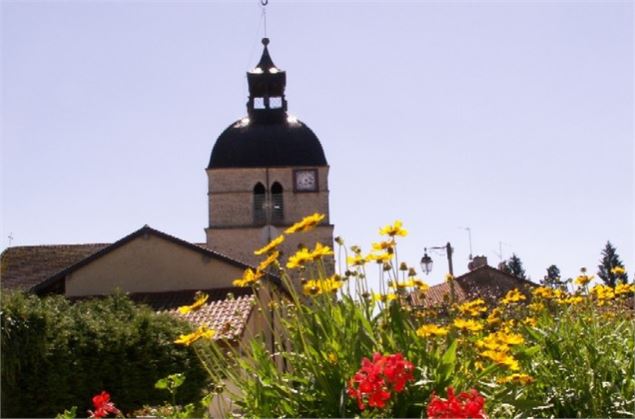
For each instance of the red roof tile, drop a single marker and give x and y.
(484, 282)
(227, 310)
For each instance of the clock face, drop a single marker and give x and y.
(306, 180)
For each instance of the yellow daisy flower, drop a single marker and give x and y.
(432, 330)
(473, 308)
(199, 300)
(273, 244)
(618, 271)
(316, 287)
(201, 332)
(513, 296)
(516, 378)
(357, 260)
(502, 358)
(273, 257)
(393, 230)
(384, 297)
(381, 257)
(249, 277)
(300, 258)
(470, 325)
(308, 223)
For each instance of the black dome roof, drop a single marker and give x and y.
(252, 144)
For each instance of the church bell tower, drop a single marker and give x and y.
(267, 171)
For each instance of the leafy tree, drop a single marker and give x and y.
(514, 266)
(56, 354)
(611, 269)
(552, 279)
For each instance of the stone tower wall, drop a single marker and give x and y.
(232, 230)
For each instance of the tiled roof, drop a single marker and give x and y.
(43, 268)
(485, 282)
(54, 280)
(23, 267)
(227, 310)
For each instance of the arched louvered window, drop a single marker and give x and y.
(277, 205)
(260, 217)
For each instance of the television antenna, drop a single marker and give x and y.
(500, 250)
(469, 237)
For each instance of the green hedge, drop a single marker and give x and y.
(56, 354)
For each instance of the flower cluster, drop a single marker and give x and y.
(473, 308)
(373, 383)
(303, 256)
(513, 296)
(316, 287)
(466, 405)
(603, 294)
(497, 346)
(468, 325)
(103, 406)
(624, 289)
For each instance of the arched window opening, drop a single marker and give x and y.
(277, 205)
(260, 217)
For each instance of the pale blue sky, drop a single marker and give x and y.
(512, 118)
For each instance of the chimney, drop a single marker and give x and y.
(477, 262)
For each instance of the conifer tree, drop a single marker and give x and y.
(552, 279)
(611, 269)
(514, 266)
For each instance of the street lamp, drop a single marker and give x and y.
(426, 261)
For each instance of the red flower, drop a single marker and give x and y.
(103, 406)
(375, 380)
(466, 405)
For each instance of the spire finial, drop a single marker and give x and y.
(265, 41)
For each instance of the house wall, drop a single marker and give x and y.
(150, 264)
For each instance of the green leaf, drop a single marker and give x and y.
(68, 413)
(448, 362)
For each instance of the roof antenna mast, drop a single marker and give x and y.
(264, 3)
(469, 237)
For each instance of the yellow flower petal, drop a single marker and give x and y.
(200, 300)
(432, 330)
(272, 245)
(308, 223)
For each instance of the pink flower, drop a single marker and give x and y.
(466, 405)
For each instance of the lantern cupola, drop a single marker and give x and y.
(267, 82)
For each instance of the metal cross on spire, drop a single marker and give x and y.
(264, 3)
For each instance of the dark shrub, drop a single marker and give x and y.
(56, 354)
